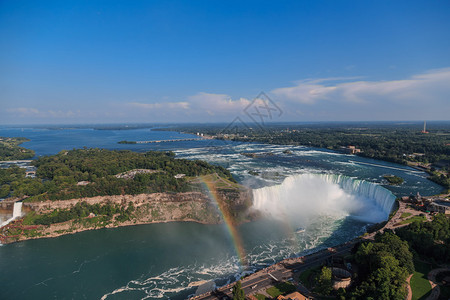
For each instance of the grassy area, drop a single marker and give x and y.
(405, 215)
(217, 181)
(413, 219)
(260, 297)
(281, 289)
(420, 285)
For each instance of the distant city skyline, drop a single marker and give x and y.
(73, 62)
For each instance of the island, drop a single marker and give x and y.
(87, 189)
(257, 155)
(394, 180)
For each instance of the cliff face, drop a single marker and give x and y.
(164, 206)
(149, 208)
(156, 207)
(137, 200)
(237, 202)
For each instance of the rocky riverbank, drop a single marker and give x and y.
(147, 209)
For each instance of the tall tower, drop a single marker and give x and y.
(424, 127)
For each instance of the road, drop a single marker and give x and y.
(282, 271)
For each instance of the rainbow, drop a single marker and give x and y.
(229, 220)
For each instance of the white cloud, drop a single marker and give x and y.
(162, 105)
(23, 110)
(434, 84)
(30, 112)
(421, 96)
(198, 105)
(217, 103)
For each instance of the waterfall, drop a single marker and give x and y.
(382, 197)
(17, 211)
(307, 195)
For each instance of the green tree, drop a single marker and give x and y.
(394, 245)
(238, 292)
(384, 266)
(4, 191)
(324, 285)
(389, 278)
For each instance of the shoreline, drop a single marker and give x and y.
(79, 230)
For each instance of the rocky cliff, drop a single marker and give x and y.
(148, 208)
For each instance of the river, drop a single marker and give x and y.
(160, 261)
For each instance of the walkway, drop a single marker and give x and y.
(408, 287)
(395, 221)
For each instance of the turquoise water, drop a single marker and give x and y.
(160, 261)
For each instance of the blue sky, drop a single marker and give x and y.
(205, 61)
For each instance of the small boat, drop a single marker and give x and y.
(300, 230)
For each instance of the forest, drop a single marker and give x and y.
(92, 172)
(79, 211)
(385, 263)
(10, 149)
(391, 142)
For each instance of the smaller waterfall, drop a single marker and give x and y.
(17, 211)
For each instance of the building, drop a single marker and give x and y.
(439, 206)
(30, 174)
(350, 150)
(425, 127)
(292, 296)
(417, 199)
(341, 278)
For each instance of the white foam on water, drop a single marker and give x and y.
(315, 153)
(179, 279)
(388, 167)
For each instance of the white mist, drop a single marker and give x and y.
(301, 198)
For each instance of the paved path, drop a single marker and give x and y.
(394, 222)
(408, 286)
